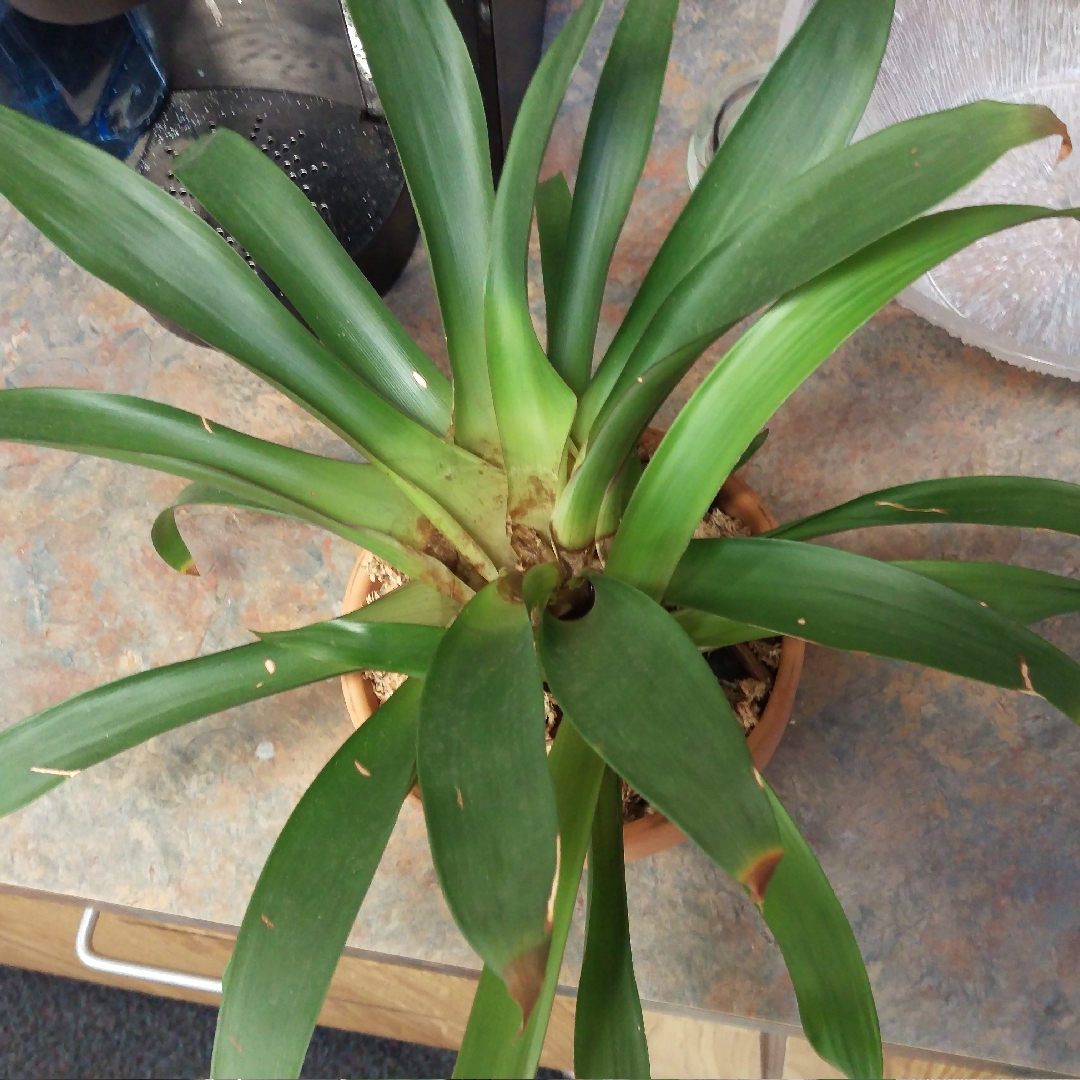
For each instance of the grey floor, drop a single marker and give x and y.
(63, 1028)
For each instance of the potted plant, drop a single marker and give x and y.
(539, 551)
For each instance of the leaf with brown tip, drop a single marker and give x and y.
(488, 795)
(676, 741)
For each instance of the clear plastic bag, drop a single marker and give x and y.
(1015, 294)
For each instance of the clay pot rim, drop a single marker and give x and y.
(653, 833)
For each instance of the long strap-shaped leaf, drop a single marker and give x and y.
(42, 751)
(807, 107)
(609, 1030)
(273, 219)
(553, 208)
(1023, 595)
(836, 1004)
(828, 213)
(432, 101)
(615, 498)
(708, 631)
(575, 521)
(308, 894)
(616, 145)
(357, 502)
(128, 232)
(848, 601)
(1021, 501)
(165, 534)
(488, 797)
(494, 1042)
(851, 199)
(679, 743)
(763, 368)
(535, 408)
(413, 604)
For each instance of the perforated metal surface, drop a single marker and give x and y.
(343, 160)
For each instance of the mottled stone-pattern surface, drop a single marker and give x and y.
(944, 812)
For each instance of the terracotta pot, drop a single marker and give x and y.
(652, 833)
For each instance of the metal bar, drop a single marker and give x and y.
(84, 950)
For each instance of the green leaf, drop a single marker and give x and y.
(676, 741)
(413, 603)
(1020, 501)
(759, 372)
(848, 201)
(358, 502)
(308, 895)
(1023, 595)
(708, 631)
(127, 231)
(575, 519)
(756, 444)
(432, 101)
(283, 232)
(616, 146)
(411, 647)
(553, 203)
(130, 233)
(165, 534)
(535, 408)
(488, 796)
(836, 1004)
(42, 751)
(617, 496)
(848, 601)
(807, 107)
(494, 1043)
(609, 1030)
(828, 213)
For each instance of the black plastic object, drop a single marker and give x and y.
(285, 74)
(300, 45)
(73, 12)
(505, 39)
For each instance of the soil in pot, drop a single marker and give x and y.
(758, 678)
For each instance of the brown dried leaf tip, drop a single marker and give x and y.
(1025, 674)
(360, 768)
(1066, 141)
(524, 978)
(267, 922)
(757, 878)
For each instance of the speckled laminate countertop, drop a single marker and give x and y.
(945, 813)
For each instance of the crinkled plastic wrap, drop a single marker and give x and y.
(1017, 293)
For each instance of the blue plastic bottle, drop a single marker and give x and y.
(101, 81)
